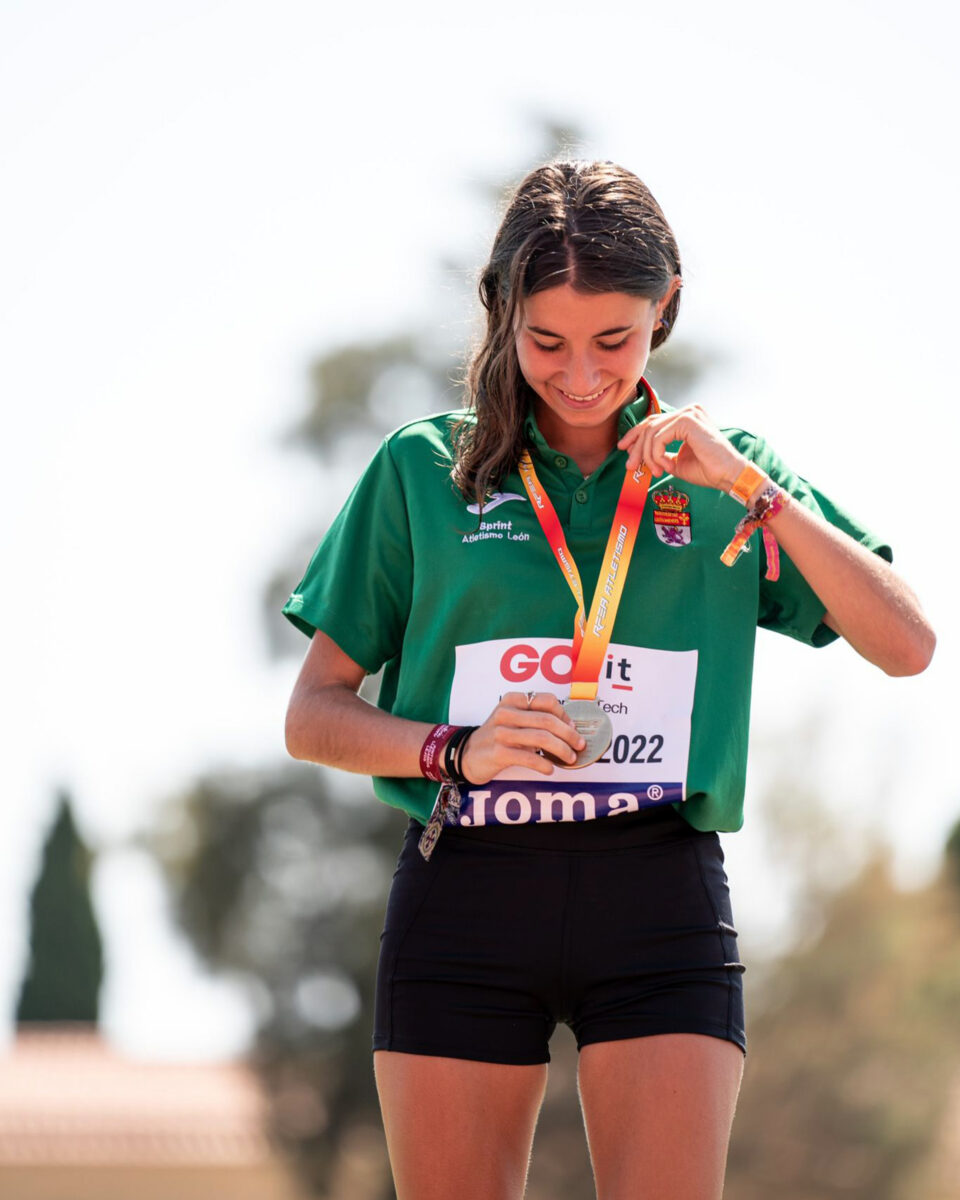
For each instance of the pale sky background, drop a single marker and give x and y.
(199, 197)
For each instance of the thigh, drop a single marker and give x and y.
(456, 1127)
(658, 1112)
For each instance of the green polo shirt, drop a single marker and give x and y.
(460, 608)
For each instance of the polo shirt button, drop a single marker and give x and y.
(580, 497)
(560, 461)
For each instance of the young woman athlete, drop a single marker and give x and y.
(563, 585)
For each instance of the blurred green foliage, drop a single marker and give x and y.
(854, 1058)
(280, 880)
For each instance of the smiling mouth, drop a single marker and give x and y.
(583, 399)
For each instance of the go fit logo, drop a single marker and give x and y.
(519, 664)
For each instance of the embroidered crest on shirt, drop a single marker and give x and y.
(671, 519)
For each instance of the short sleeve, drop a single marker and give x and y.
(357, 585)
(788, 604)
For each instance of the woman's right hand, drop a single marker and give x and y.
(521, 725)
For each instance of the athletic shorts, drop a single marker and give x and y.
(620, 927)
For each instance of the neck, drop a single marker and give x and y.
(587, 447)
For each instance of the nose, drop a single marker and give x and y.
(582, 375)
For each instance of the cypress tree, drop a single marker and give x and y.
(65, 969)
(952, 854)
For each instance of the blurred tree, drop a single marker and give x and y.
(280, 880)
(65, 968)
(855, 1054)
(953, 853)
(280, 876)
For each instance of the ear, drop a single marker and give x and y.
(676, 283)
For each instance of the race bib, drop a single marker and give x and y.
(648, 695)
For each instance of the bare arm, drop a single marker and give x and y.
(327, 722)
(864, 599)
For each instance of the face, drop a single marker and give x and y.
(583, 354)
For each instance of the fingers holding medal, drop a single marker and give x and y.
(595, 729)
(588, 719)
(526, 729)
(705, 456)
(545, 702)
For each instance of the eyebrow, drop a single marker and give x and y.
(602, 333)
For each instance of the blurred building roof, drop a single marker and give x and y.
(67, 1097)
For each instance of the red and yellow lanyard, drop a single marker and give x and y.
(591, 635)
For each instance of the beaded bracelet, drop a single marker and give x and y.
(770, 501)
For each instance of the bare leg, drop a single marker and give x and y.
(458, 1128)
(658, 1112)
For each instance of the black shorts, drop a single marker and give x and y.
(620, 927)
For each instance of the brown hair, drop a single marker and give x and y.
(593, 225)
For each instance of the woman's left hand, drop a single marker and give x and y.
(705, 458)
(865, 600)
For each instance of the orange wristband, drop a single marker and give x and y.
(769, 503)
(747, 483)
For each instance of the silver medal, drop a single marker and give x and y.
(593, 725)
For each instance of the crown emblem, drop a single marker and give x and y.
(670, 500)
(671, 520)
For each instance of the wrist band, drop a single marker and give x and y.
(442, 752)
(453, 755)
(431, 761)
(747, 483)
(768, 504)
(440, 760)
(770, 501)
(772, 551)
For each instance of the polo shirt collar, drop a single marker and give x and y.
(631, 414)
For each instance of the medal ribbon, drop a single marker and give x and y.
(591, 636)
